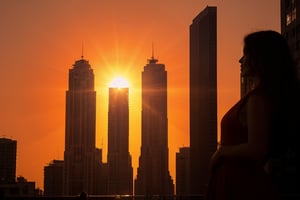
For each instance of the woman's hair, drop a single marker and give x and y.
(271, 60)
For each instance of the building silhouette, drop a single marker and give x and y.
(120, 171)
(101, 174)
(153, 177)
(203, 96)
(8, 157)
(53, 178)
(183, 172)
(290, 27)
(79, 155)
(10, 186)
(21, 188)
(286, 173)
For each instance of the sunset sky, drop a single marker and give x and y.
(40, 40)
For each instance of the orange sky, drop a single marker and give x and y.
(40, 41)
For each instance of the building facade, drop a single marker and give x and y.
(53, 178)
(203, 96)
(153, 177)
(21, 188)
(79, 155)
(120, 175)
(286, 173)
(101, 174)
(183, 172)
(290, 26)
(8, 157)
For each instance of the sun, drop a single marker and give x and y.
(119, 82)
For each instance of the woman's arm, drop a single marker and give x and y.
(258, 122)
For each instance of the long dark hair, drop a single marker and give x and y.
(273, 62)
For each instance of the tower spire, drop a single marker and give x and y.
(82, 51)
(152, 60)
(152, 51)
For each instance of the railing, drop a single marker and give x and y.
(131, 197)
(110, 197)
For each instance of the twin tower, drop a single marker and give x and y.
(83, 169)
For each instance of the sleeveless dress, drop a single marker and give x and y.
(240, 179)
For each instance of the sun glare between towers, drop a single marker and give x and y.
(119, 82)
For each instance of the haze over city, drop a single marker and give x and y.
(40, 41)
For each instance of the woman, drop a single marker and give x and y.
(252, 129)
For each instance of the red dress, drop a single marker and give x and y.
(238, 179)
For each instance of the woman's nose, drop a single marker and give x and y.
(241, 59)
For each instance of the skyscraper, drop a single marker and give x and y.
(183, 172)
(8, 156)
(290, 26)
(79, 155)
(101, 174)
(53, 178)
(284, 168)
(120, 175)
(153, 177)
(203, 96)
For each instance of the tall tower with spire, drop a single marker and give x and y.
(79, 155)
(153, 177)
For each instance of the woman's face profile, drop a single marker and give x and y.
(245, 65)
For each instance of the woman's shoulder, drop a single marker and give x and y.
(258, 99)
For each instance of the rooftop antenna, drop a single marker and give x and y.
(152, 60)
(82, 51)
(152, 51)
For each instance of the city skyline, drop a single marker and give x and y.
(36, 110)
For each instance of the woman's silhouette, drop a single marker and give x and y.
(260, 127)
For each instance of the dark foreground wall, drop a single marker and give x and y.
(117, 197)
